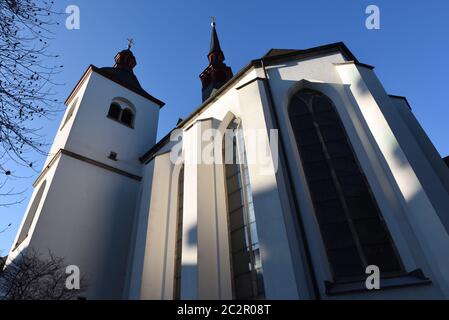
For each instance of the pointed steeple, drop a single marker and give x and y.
(215, 49)
(217, 72)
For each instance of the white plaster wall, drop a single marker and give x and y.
(318, 68)
(93, 135)
(86, 218)
(420, 214)
(322, 75)
(86, 214)
(205, 259)
(423, 140)
(283, 261)
(277, 252)
(61, 136)
(231, 101)
(282, 78)
(136, 258)
(189, 272)
(14, 252)
(412, 145)
(281, 252)
(423, 156)
(157, 253)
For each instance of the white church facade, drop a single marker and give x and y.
(354, 181)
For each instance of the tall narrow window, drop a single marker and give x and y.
(244, 244)
(31, 214)
(178, 247)
(353, 230)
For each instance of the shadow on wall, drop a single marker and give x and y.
(275, 76)
(192, 236)
(414, 196)
(189, 270)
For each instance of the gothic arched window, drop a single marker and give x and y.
(31, 214)
(178, 247)
(353, 230)
(244, 244)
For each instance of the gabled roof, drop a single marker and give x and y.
(273, 55)
(277, 52)
(446, 160)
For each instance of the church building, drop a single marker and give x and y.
(350, 181)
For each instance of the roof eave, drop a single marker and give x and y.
(98, 71)
(338, 46)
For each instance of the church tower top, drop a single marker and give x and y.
(217, 72)
(125, 60)
(122, 72)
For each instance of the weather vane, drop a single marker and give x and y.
(130, 42)
(213, 21)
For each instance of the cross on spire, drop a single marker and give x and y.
(130, 42)
(213, 21)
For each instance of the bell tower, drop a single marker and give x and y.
(84, 201)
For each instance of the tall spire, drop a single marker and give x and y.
(214, 42)
(217, 72)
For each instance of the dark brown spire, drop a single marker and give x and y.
(217, 72)
(215, 49)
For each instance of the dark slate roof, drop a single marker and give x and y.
(277, 52)
(127, 79)
(214, 42)
(124, 76)
(446, 160)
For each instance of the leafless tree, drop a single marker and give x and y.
(26, 73)
(32, 276)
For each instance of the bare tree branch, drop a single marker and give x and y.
(25, 78)
(32, 276)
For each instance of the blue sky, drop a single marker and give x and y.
(172, 39)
